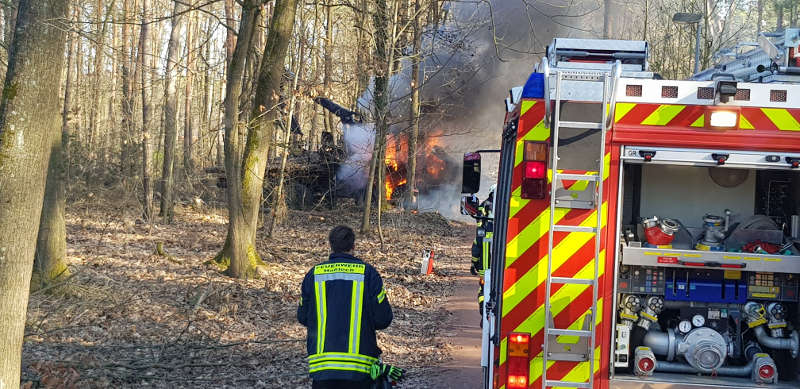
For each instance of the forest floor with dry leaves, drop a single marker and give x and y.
(131, 317)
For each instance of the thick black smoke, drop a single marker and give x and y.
(471, 61)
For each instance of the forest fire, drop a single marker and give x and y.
(434, 167)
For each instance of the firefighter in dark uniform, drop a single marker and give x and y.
(343, 303)
(481, 248)
(345, 115)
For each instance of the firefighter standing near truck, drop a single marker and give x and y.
(343, 303)
(481, 248)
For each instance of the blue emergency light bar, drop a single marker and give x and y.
(534, 87)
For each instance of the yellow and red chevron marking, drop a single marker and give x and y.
(675, 115)
(526, 262)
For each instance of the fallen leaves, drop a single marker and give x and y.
(130, 318)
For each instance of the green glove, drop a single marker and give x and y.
(394, 373)
(375, 371)
(378, 370)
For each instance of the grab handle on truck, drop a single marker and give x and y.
(616, 73)
(546, 72)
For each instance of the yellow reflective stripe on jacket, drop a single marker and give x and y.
(340, 361)
(321, 302)
(382, 295)
(339, 267)
(339, 277)
(487, 241)
(355, 317)
(334, 356)
(339, 366)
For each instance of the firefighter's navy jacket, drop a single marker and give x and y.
(480, 248)
(345, 115)
(343, 303)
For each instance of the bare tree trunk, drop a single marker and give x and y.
(29, 120)
(147, 151)
(363, 48)
(239, 254)
(127, 152)
(646, 18)
(69, 91)
(607, 13)
(208, 90)
(230, 46)
(220, 138)
(188, 119)
(760, 18)
(414, 114)
(779, 17)
(157, 110)
(10, 22)
(287, 120)
(230, 35)
(50, 260)
(78, 77)
(330, 125)
(314, 77)
(299, 68)
(312, 132)
(237, 246)
(94, 109)
(171, 115)
(368, 195)
(705, 51)
(112, 130)
(381, 99)
(382, 114)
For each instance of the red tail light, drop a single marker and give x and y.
(534, 177)
(535, 169)
(518, 360)
(766, 372)
(517, 381)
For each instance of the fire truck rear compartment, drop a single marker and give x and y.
(707, 282)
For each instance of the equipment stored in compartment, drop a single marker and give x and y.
(729, 280)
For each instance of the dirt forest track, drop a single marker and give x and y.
(133, 317)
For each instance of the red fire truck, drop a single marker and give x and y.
(646, 230)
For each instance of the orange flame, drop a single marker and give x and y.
(430, 159)
(394, 177)
(433, 164)
(389, 189)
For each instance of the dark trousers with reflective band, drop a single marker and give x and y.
(342, 384)
(480, 296)
(483, 254)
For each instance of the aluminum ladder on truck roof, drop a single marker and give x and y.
(582, 351)
(592, 55)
